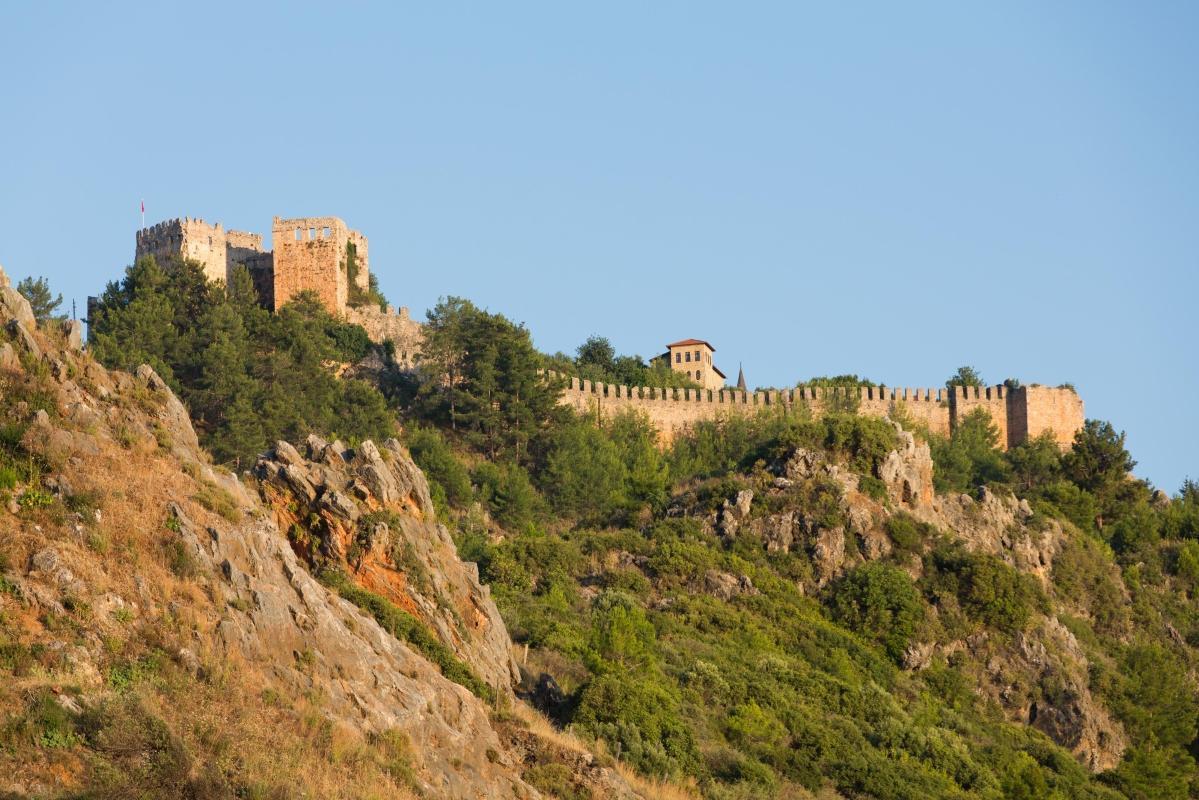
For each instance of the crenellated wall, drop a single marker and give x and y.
(189, 238)
(1020, 413)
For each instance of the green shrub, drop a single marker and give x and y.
(908, 533)
(639, 718)
(1150, 771)
(179, 558)
(44, 723)
(433, 455)
(872, 487)
(508, 494)
(557, 780)
(621, 636)
(585, 475)
(1155, 697)
(970, 458)
(218, 501)
(880, 602)
(35, 498)
(988, 589)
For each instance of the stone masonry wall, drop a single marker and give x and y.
(1041, 408)
(362, 277)
(1019, 414)
(403, 331)
(189, 238)
(308, 255)
(992, 399)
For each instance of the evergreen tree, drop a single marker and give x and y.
(482, 376)
(41, 300)
(965, 376)
(248, 376)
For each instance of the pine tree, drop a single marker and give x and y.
(37, 292)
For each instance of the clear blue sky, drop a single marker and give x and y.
(891, 189)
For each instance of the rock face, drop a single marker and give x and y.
(908, 472)
(248, 602)
(1041, 680)
(368, 512)
(311, 638)
(15, 307)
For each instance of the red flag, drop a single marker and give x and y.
(143, 206)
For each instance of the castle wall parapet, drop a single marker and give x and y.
(1020, 414)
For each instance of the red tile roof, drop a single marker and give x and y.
(689, 342)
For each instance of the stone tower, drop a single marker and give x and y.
(311, 254)
(218, 251)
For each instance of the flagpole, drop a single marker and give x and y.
(143, 215)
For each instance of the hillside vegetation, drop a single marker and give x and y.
(778, 606)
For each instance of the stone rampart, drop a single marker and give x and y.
(401, 329)
(188, 238)
(1038, 409)
(1020, 414)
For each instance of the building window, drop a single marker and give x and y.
(678, 358)
(688, 357)
(699, 376)
(324, 233)
(312, 233)
(297, 234)
(697, 355)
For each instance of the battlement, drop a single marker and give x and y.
(1020, 414)
(187, 237)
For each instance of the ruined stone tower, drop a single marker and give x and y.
(318, 254)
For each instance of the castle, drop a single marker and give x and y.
(322, 255)
(317, 254)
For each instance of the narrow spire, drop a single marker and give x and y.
(740, 377)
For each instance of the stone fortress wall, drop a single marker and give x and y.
(400, 329)
(1021, 414)
(218, 251)
(310, 254)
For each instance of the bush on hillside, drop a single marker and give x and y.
(880, 602)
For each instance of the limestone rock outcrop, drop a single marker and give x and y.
(1041, 680)
(368, 511)
(239, 600)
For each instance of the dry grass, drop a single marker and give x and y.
(231, 719)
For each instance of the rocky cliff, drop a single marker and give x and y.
(1040, 677)
(136, 575)
(368, 511)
